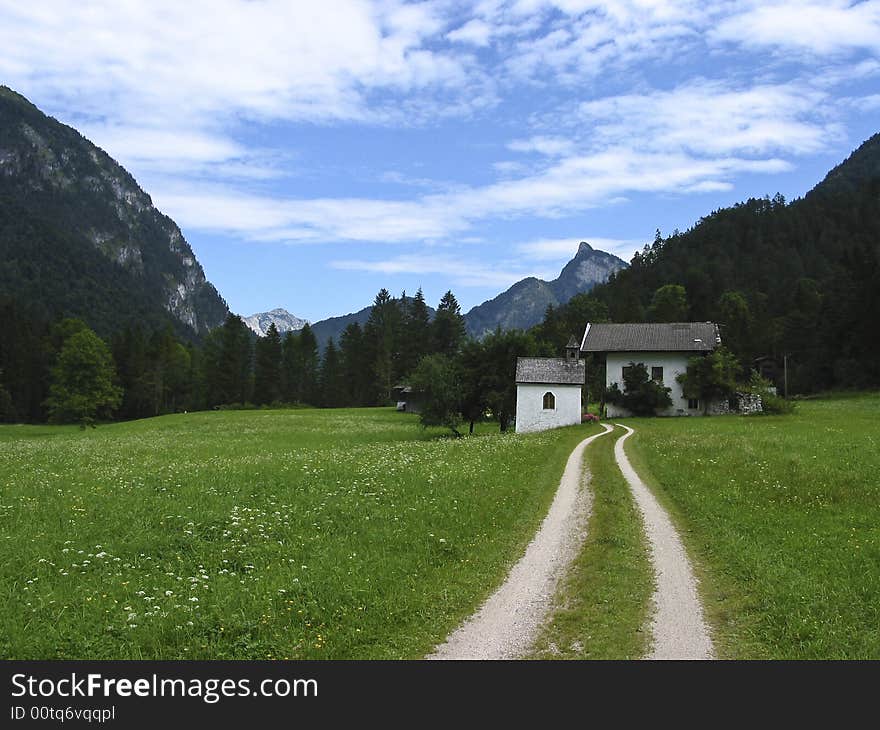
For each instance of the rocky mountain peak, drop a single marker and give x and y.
(283, 320)
(523, 305)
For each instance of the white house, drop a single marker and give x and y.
(664, 349)
(548, 390)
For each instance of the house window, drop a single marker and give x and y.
(693, 404)
(549, 402)
(657, 374)
(625, 371)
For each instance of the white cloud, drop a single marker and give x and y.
(549, 146)
(167, 87)
(570, 185)
(596, 37)
(563, 249)
(461, 272)
(823, 27)
(168, 66)
(712, 117)
(476, 32)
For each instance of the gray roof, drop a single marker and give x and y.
(653, 337)
(549, 370)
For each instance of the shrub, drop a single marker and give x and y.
(711, 377)
(771, 403)
(589, 418)
(641, 395)
(776, 404)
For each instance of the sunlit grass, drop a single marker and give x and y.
(300, 534)
(783, 514)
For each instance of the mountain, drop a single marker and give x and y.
(283, 320)
(333, 327)
(80, 238)
(523, 305)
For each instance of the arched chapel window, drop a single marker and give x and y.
(549, 402)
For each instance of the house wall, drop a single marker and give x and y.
(530, 413)
(673, 364)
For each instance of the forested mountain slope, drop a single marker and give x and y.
(79, 237)
(799, 279)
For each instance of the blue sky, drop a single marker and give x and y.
(313, 152)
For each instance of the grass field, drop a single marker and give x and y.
(300, 534)
(782, 514)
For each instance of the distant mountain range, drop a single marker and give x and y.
(523, 304)
(80, 238)
(283, 320)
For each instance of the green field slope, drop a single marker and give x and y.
(783, 515)
(300, 534)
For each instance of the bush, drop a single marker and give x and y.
(589, 418)
(711, 377)
(641, 395)
(771, 403)
(775, 404)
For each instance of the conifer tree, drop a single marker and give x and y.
(331, 379)
(448, 328)
(267, 367)
(234, 364)
(291, 367)
(416, 334)
(309, 359)
(355, 369)
(380, 339)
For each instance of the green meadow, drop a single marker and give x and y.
(260, 534)
(358, 534)
(782, 515)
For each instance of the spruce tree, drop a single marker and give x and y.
(331, 379)
(355, 369)
(416, 334)
(309, 360)
(448, 328)
(381, 335)
(267, 367)
(234, 366)
(291, 367)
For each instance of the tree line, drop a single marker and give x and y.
(63, 372)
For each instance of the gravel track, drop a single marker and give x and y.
(678, 626)
(507, 624)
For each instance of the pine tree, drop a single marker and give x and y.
(331, 380)
(234, 367)
(416, 334)
(267, 367)
(448, 328)
(355, 368)
(25, 359)
(381, 335)
(130, 355)
(291, 367)
(309, 360)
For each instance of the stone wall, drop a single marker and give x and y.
(749, 403)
